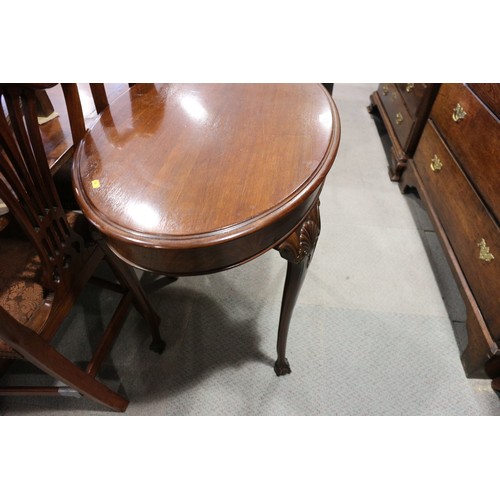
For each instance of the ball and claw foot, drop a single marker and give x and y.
(282, 368)
(157, 346)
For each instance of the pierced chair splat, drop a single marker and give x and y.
(48, 255)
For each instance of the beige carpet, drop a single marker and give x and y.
(377, 329)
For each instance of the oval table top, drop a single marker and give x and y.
(180, 167)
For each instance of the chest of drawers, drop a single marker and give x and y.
(403, 108)
(456, 170)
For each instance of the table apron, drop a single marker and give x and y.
(216, 257)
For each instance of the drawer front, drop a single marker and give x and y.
(401, 120)
(489, 93)
(414, 95)
(474, 138)
(473, 234)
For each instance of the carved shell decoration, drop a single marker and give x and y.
(309, 233)
(301, 244)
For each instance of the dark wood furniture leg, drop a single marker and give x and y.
(398, 158)
(298, 250)
(35, 350)
(153, 281)
(495, 384)
(140, 301)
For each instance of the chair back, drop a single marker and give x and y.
(26, 184)
(32, 312)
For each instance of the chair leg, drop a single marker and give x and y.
(85, 384)
(110, 334)
(38, 352)
(127, 276)
(151, 282)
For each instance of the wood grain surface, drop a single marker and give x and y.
(189, 167)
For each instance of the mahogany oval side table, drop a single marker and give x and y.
(186, 179)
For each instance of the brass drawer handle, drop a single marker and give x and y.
(385, 89)
(399, 118)
(409, 87)
(436, 164)
(484, 251)
(458, 113)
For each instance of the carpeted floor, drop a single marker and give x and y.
(377, 330)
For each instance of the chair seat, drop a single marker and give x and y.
(21, 291)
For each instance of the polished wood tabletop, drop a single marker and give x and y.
(192, 166)
(187, 179)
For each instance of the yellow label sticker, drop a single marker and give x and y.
(96, 184)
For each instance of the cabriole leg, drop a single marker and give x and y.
(298, 250)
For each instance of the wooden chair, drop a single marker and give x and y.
(48, 255)
(61, 168)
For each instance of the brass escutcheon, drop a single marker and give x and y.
(385, 89)
(409, 87)
(484, 251)
(436, 164)
(399, 118)
(458, 113)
